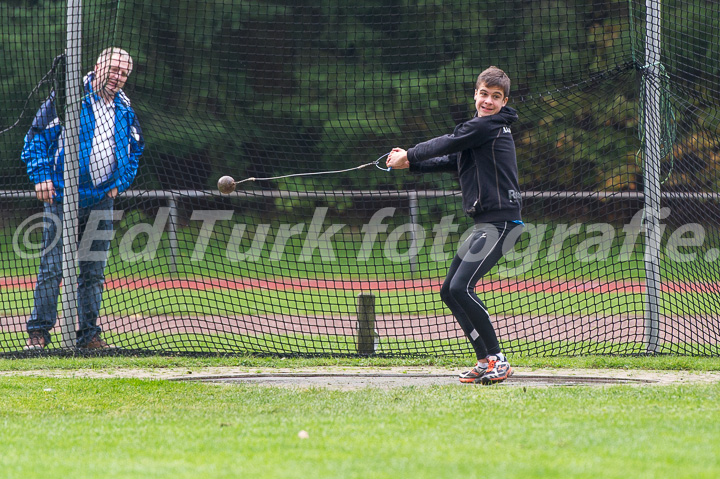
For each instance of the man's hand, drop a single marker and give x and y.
(397, 159)
(112, 193)
(45, 191)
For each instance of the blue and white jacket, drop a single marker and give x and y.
(44, 149)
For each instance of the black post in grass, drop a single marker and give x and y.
(366, 323)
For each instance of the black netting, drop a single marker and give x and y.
(617, 144)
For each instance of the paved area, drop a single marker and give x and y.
(349, 378)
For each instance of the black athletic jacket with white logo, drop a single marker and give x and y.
(482, 151)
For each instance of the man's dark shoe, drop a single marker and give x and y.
(98, 343)
(36, 341)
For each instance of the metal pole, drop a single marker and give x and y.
(652, 173)
(68, 317)
(413, 206)
(172, 234)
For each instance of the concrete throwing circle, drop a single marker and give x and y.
(356, 377)
(394, 380)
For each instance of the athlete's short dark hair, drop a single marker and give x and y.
(494, 77)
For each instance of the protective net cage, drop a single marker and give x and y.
(318, 250)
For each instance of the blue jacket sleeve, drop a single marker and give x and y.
(41, 143)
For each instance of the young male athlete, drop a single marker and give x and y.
(482, 151)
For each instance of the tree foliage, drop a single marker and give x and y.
(263, 88)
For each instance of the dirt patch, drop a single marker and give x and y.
(350, 378)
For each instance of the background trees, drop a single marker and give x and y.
(258, 88)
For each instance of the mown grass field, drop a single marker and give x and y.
(119, 428)
(57, 425)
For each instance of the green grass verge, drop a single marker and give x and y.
(11, 344)
(663, 363)
(119, 428)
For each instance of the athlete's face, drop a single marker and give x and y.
(111, 73)
(489, 100)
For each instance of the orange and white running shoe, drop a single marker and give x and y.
(498, 370)
(474, 374)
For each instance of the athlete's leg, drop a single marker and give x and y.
(479, 255)
(460, 315)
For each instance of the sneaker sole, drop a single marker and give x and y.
(33, 348)
(469, 380)
(498, 379)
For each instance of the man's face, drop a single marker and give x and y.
(489, 100)
(111, 73)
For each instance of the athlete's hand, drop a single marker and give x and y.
(112, 193)
(397, 159)
(45, 191)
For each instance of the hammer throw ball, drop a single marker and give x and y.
(226, 185)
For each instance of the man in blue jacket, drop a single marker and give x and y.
(482, 152)
(111, 143)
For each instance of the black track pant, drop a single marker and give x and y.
(475, 258)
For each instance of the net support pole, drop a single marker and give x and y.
(172, 234)
(413, 207)
(366, 324)
(652, 173)
(73, 52)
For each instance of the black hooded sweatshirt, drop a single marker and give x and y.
(482, 151)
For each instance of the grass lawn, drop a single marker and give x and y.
(138, 428)
(120, 428)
